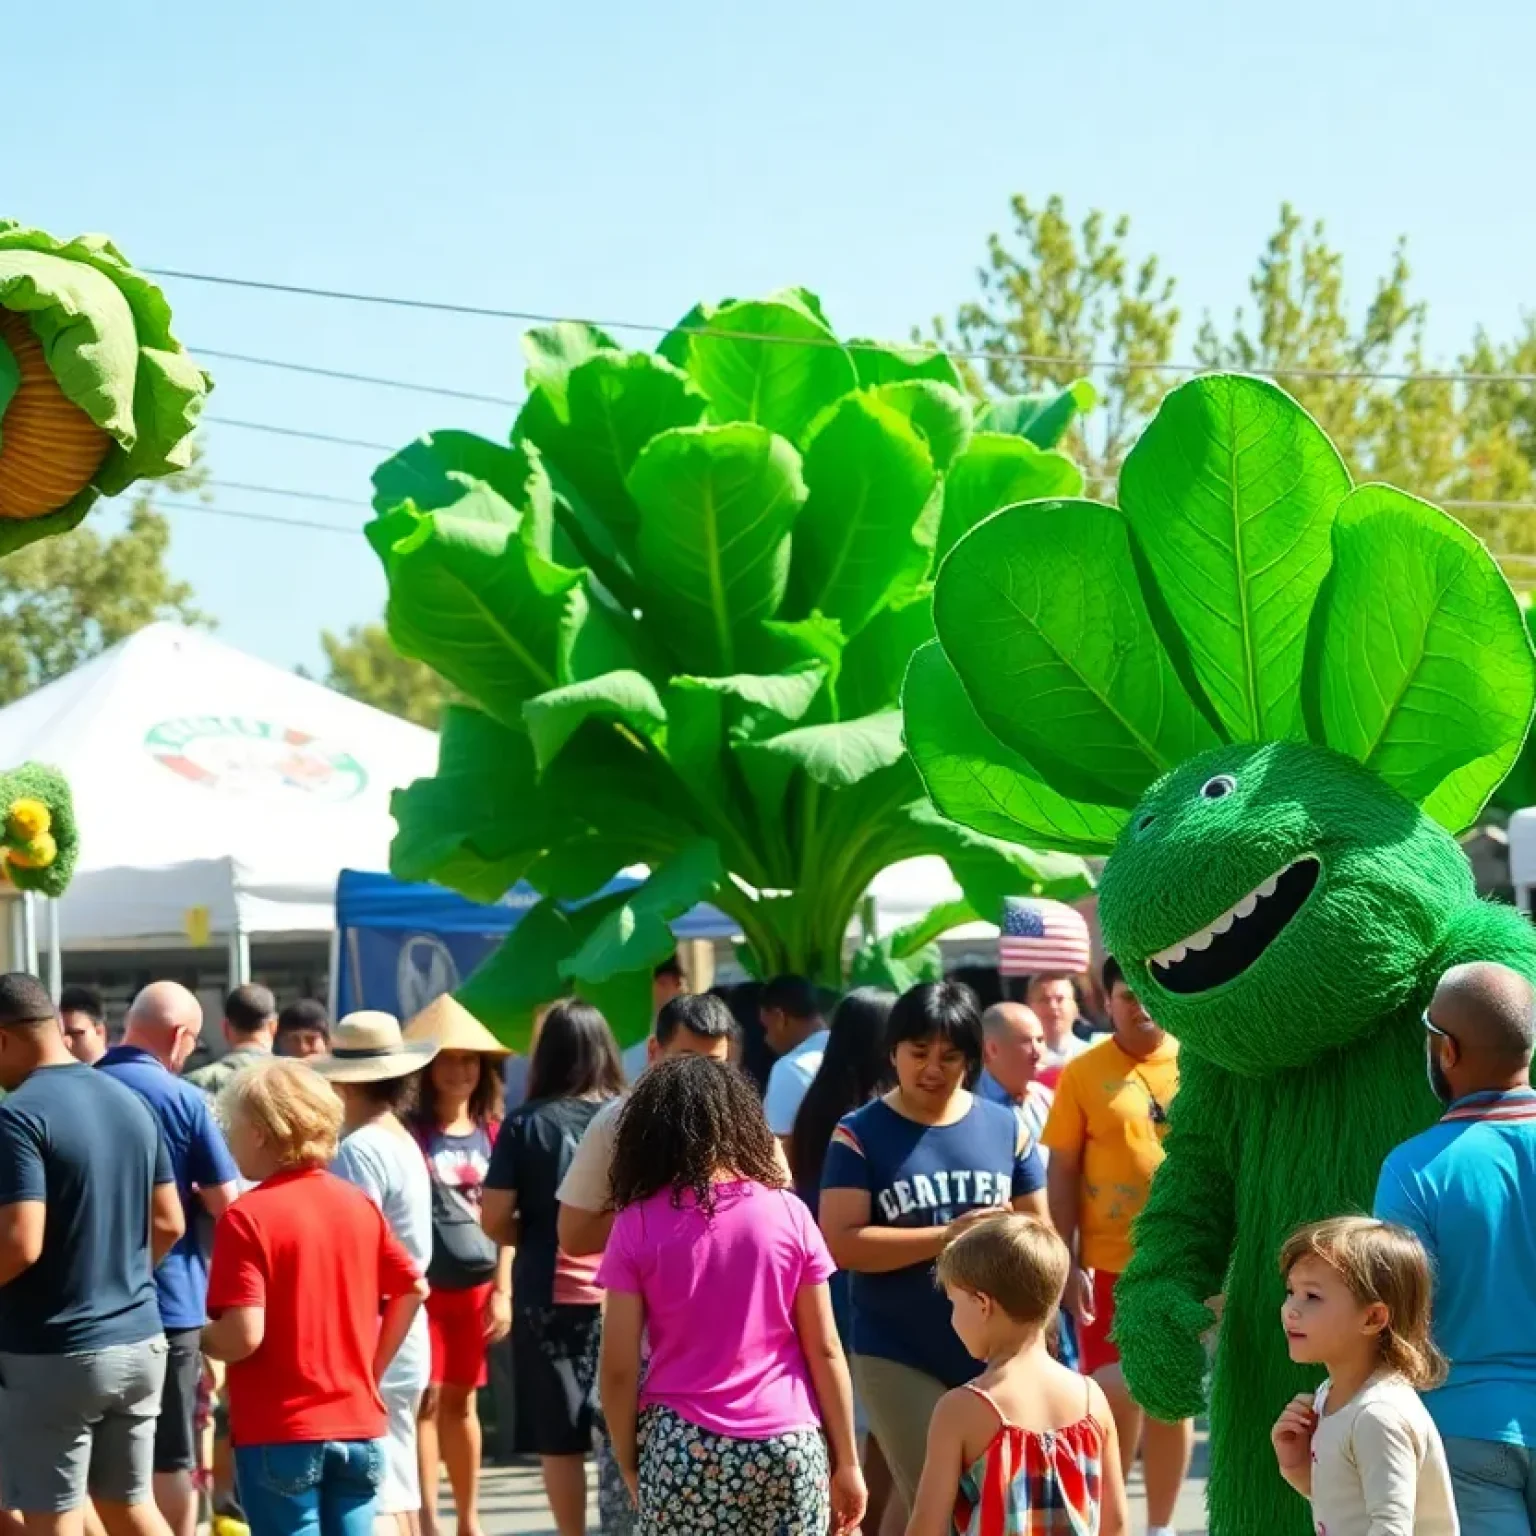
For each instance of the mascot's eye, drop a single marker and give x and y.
(1218, 788)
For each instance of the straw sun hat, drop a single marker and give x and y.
(369, 1048)
(450, 1026)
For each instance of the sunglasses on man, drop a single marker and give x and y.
(1435, 1029)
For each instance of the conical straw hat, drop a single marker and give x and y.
(452, 1027)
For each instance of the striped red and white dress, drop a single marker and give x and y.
(1032, 1482)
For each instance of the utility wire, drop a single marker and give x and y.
(253, 517)
(299, 432)
(356, 378)
(1034, 359)
(298, 495)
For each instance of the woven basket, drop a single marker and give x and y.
(49, 448)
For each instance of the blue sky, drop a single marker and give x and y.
(623, 160)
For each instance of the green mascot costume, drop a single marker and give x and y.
(95, 394)
(1273, 697)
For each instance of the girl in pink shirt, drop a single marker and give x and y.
(725, 1273)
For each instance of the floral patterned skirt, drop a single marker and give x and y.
(692, 1480)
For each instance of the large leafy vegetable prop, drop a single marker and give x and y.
(1242, 591)
(1273, 696)
(682, 601)
(95, 392)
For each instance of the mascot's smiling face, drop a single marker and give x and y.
(1271, 903)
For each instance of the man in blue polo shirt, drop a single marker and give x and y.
(1467, 1187)
(161, 1031)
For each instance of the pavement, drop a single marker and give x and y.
(512, 1501)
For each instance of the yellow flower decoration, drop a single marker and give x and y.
(39, 852)
(26, 820)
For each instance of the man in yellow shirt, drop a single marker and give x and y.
(1105, 1136)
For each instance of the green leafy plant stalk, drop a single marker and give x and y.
(680, 604)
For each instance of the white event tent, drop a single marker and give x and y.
(217, 795)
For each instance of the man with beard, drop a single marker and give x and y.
(1467, 1187)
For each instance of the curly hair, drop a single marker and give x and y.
(689, 1122)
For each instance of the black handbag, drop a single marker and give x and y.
(462, 1255)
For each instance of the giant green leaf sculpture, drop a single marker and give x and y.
(682, 601)
(1272, 697)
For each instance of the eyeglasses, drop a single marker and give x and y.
(1435, 1029)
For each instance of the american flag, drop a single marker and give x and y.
(1041, 936)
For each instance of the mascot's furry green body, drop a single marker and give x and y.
(1273, 698)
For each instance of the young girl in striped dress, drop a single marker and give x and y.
(1028, 1448)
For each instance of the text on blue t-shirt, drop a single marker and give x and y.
(923, 1176)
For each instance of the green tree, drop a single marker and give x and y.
(1055, 291)
(364, 665)
(66, 599)
(1052, 290)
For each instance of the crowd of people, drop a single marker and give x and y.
(869, 1286)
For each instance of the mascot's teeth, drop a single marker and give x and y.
(1223, 924)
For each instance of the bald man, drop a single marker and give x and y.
(1468, 1189)
(1013, 1051)
(162, 1028)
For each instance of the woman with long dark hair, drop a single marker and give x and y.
(723, 1270)
(557, 1307)
(904, 1175)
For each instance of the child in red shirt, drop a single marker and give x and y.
(311, 1295)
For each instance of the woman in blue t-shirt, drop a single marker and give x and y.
(903, 1176)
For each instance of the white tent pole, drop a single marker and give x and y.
(55, 950)
(29, 932)
(17, 934)
(333, 998)
(239, 956)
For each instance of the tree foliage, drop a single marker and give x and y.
(66, 599)
(363, 665)
(681, 604)
(1052, 290)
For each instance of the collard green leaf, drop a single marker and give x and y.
(674, 345)
(555, 351)
(469, 598)
(478, 825)
(554, 717)
(615, 403)
(836, 755)
(519, 977)
(877, 964)
(637, 933)
(782, 644)
(940, 416)
(1041, 614)
(876, 364)
(1231, 492)
(748, 364)
(785, 694)
(868, 478)
(598, 637)
(716, 507)
(1425, 669)
(996, 472)
(1045, 419)
(576, 868)
(977, 781)
(875, 660)
(439, 467)
(988, 869)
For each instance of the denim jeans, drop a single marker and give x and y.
(1495, 1486)
(310, 1488)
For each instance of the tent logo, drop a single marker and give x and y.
(241, 756)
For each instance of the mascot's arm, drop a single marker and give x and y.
(1182, 1242)
(38, 842)
(1487, 930)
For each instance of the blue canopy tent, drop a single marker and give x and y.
(399, 946)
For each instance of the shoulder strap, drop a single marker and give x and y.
(986, 1397)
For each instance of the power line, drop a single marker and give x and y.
(357, 378)
(968, 354)
(245, 516)
(300, 432)
(282, 490)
